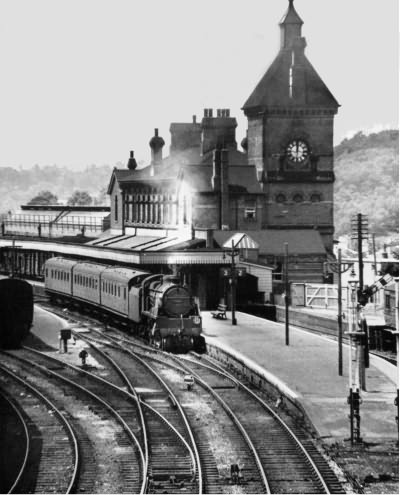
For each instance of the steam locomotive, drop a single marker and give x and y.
(157, 307)
(16, 312)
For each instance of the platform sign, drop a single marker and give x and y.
(65, 333)
(227, 272)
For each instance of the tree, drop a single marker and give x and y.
(102, 198)
(80, 198)
(44, 198)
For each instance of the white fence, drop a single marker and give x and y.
(322, 296)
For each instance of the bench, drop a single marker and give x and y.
(220, 312)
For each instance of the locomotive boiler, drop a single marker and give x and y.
(157, 307)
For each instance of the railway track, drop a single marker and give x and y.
(112, 458)
(50, 461)
(305, 470)
(172, 451)
(229, 428)
(290, 460)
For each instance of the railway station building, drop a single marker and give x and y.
(278, 188)
(186, 206)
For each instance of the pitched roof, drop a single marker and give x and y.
(273, 88)
(271, 241)
(196, 170)
(291, 16)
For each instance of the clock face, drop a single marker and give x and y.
(297, 151)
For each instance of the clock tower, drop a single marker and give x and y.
(290, 138)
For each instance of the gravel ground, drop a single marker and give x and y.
(373, 468)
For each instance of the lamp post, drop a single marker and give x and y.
(339, 268)
(232, 280)
(287, 291)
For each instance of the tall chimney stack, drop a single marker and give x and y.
(156, 144)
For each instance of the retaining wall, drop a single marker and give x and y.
(260, 378)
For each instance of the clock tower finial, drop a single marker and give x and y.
(290, 24)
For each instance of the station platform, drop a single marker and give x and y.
(307, 371)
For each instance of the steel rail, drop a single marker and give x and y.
(28, 446)
(132, 392)
(227, 375)
(70, 431)
(90, 393)
(194, 453)
(233, 417)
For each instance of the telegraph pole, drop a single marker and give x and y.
(360, 232)
(354, 385)
(359, 226)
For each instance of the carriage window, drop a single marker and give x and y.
(119, 293)
(387, 301)
(124, 292)
(47, 272)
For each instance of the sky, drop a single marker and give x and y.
(85, 81)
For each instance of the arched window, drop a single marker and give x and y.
(315, 198)
(297, 197)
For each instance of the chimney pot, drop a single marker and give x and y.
(210, 112)
(156, 132)
(194, 119)
(205, 112)
(132, 162)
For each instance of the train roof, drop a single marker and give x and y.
(121, 274)
(60, 262)
(89, 268)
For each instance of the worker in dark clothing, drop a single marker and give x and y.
(83, 355)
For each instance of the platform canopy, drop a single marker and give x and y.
(241, 241)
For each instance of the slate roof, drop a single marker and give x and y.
(196, 170)
(291, 16)
(271, 241)
(273, 91)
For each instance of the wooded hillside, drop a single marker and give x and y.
(367, 181)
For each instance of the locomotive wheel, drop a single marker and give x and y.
(200, 345)
(168, 344)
